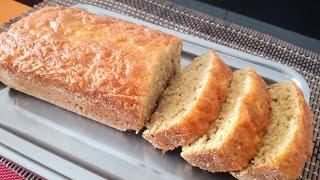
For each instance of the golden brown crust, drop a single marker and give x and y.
(223, 75)
(245, 138)
(98, 57)
(198, 120)
(289, 163)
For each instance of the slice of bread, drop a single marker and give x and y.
(234, 139)
(288, 143)
(190, 104)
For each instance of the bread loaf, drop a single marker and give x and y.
(100, 67)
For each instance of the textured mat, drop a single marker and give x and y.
(11, 171)
(197, 24)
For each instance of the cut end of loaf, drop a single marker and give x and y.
(235, 137)
(288, 143)
(282, 128)
(166, 68)
(189, 104)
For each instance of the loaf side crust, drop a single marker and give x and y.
(86, 107)
(196, 122)
(290, 162)
(242, 145)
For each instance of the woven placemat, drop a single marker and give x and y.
(12, 171)
(195, 23)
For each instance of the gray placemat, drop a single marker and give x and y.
(197, 24)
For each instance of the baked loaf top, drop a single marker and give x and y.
(100, 57)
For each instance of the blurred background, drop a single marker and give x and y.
(297, 22)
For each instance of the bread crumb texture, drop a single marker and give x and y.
(234, 138)
(288, 143)
(190, 103)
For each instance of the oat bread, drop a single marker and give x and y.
(100, 67)
(288, 143)
(190, 104)
(234, 138)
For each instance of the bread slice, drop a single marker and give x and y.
(190, 104)
(288, 143)
(234, 139)
(104, 68)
